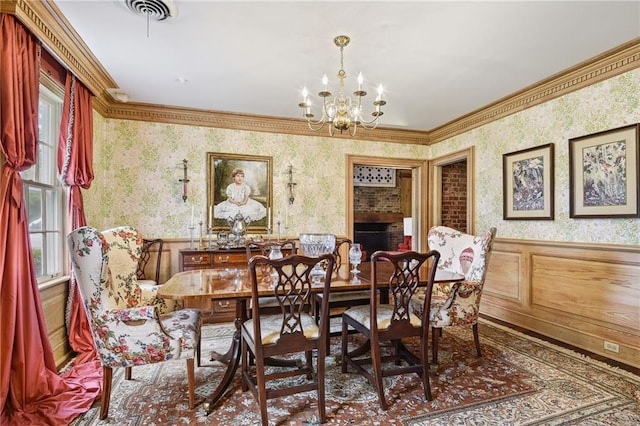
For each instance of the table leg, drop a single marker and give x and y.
(233, 356)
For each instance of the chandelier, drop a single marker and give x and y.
(342, 112)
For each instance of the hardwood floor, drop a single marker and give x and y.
(609, 361)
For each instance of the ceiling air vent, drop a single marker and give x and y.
(160, 10)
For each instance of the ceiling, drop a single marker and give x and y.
(436, 60)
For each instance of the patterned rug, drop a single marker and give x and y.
(519, 381)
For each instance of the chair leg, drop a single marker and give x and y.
(377, 374)
(127, 373)
(322, 411)
(476, 338)
(199, 350)
(262, 391)
(345, 342)
(191, 382)
(107, 374)
(435, 333)
(424, 359)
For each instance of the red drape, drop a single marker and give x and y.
(75, 164)
(31, 391)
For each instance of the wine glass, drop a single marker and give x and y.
(355, 257)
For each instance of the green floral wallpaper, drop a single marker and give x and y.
(602, 106)
(138, 164)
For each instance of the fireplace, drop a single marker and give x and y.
(373, 230)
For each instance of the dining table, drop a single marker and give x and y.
(234, 284)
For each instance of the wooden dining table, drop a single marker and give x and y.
(234, 283)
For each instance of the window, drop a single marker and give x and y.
(45, 195)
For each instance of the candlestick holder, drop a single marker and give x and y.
(269, 231)
(200, 246)
(192, 228)
(210, 232)
(278, 234)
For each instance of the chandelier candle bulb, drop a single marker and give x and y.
(325, 83)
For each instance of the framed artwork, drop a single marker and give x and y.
(527, 180)
(603, 174)
(239, 184)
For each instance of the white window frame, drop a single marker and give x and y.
(42, 178)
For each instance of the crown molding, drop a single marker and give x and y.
(45, 21)
(602, 67)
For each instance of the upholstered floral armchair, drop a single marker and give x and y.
(126, 332)
(457, 304)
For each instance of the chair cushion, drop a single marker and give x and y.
(362, 314)
(184, 324)
(270, 326)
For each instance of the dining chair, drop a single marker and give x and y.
(339, 301)
(291, 331)
(457, 304)
(392, 322)
(126, 332)
(264, 248)
(149, 286)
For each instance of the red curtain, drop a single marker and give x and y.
(75, 164)
(31, 391)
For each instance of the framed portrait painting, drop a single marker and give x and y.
(239, 184)
(527, 179)
(603, 174)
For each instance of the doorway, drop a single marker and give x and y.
(458, 165)
(418, 172)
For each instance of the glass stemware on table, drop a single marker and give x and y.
(315, 245)
(355, 257)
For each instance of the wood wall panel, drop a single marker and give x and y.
(503, 268)
(581, 294)
(601, 291)
(54, 301)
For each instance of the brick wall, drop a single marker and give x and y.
(454, 195)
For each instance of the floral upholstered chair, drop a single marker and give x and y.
(126, 332)
(457, 304)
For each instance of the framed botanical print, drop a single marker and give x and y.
(527, 179)
(239, 184)
(603, 174)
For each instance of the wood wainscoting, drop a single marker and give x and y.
(54, 301)
(580, 294)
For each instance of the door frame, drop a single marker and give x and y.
(418, 190)
(435, 187)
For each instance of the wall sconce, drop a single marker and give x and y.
(184, 180)
(291, 184)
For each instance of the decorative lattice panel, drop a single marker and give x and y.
(374, 176)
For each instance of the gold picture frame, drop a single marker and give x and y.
(257, 174)
(604, 174)
(527, 184)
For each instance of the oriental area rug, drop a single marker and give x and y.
(519, 380)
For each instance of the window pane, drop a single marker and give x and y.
(34, 209)
(53, 209)
(53, 266)
(45, 163)
(36, 250)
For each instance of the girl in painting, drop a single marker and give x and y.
(238, 201)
